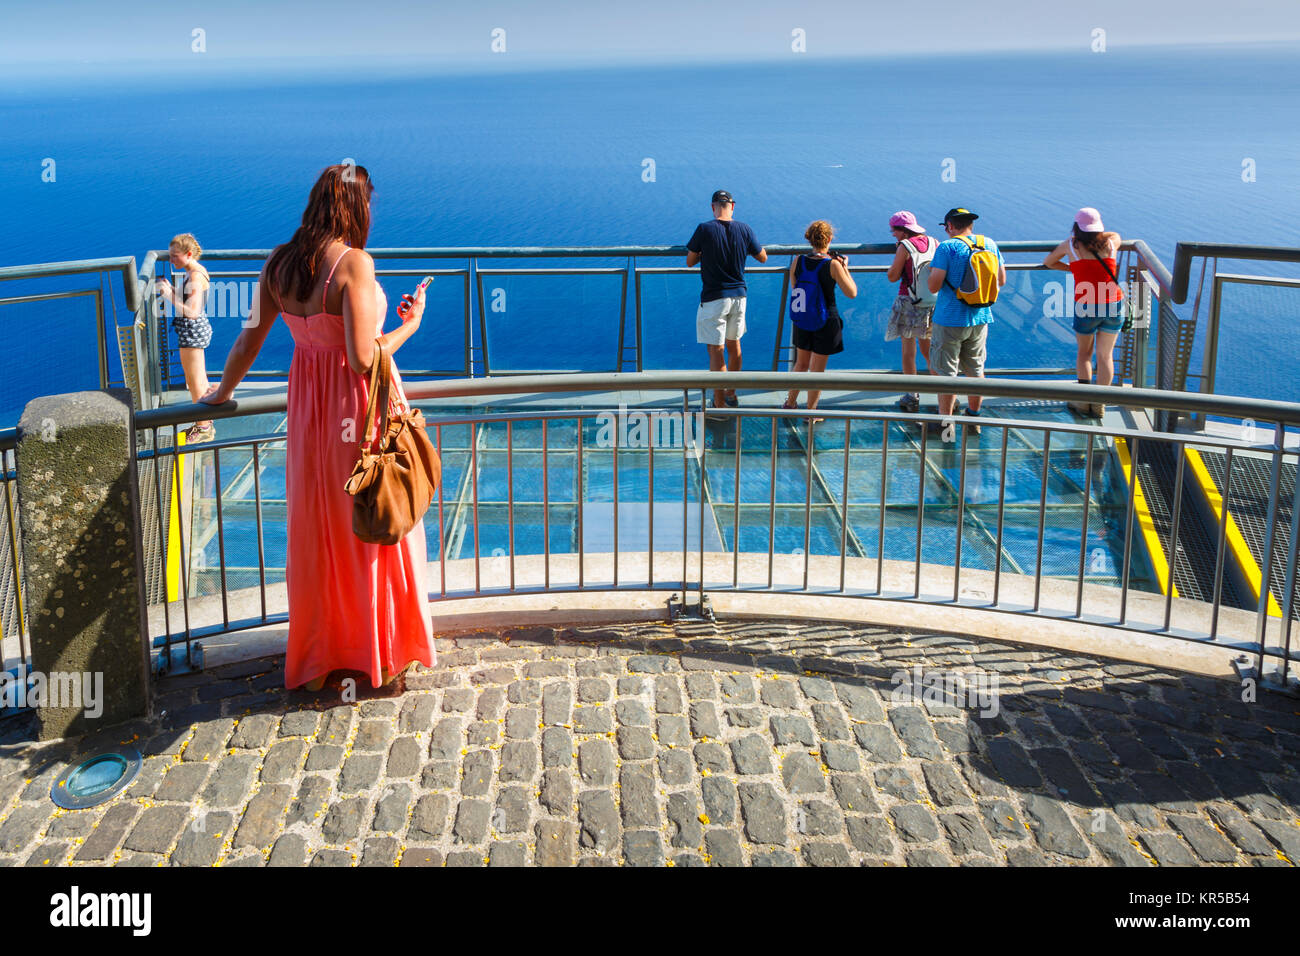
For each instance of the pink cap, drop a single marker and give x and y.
(905, 220)
(1088, 220)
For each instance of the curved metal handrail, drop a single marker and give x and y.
(1286, 413)
(45, 270)
(1185, 252)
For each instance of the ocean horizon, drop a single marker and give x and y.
(1169, 143)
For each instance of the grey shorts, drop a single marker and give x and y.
(953, 347)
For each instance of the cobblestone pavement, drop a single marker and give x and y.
(767, 744)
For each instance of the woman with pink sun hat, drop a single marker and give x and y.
(909, 318)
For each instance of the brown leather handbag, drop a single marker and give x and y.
(392, 486)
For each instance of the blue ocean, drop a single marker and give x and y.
(1189, 143)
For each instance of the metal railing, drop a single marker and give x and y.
(1001, 544)
(1210, 253)
(102, 270)
(630, 351)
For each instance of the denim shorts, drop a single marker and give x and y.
(1093, 317)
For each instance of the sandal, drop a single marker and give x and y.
(789, 404)
(387, 679)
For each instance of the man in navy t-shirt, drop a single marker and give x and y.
(720, 246)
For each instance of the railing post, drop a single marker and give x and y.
(636, 279)
(1166, 346)
(1266, 562)
(79, 511)
(780, 319)
(102, 335)
(1210, 361)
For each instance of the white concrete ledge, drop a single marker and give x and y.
(1052, 626)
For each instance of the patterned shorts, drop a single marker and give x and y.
(192, 333)
(907, 320)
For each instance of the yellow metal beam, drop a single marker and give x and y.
(1143, 514)
(174, 523)
(1236, 543)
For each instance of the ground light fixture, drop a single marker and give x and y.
(96, 779)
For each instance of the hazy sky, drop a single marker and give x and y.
(541, 32)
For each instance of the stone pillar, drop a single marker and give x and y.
(83, 571)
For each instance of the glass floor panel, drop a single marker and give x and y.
(766, 508)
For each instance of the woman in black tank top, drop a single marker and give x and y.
(193, 331)
(814, 347)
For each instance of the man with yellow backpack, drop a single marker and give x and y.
(966, 274)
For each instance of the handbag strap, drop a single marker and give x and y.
(380, 381)
(1108, 269)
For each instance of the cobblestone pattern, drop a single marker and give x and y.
(766, 744)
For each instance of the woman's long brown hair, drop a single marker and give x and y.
(1093, 241)
(338, 207)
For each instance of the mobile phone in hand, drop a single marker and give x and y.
(404, 308)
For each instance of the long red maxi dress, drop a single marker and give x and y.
(352, 605)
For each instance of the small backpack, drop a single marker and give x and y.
(979, 286)
(921, 261)
(807, 304)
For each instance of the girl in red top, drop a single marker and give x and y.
(1089, 255)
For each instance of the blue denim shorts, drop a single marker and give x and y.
(1093, 317)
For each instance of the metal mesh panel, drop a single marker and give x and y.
(127, 351)
(153, 519)
(1174, 355)
(10, 546)
(1128, 340)
(1197, 541)
(1248, 505)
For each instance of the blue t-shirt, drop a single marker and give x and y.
(953, 256)
(722, 246)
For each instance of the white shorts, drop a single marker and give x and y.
(719, 320)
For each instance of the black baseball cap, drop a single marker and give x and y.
(958, 213)
(722, 196)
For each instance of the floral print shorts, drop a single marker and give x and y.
(908, 320)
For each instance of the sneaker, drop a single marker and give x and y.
(910, 403)
(198, 433)
(731, 401)
(973, 426)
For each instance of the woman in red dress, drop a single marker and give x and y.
(352, 605)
